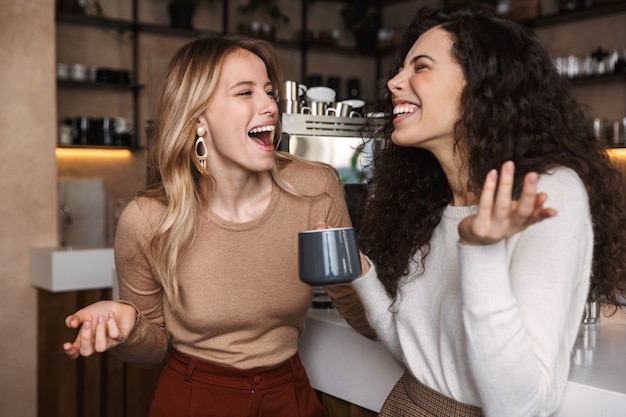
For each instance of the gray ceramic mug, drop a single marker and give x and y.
(328, 256)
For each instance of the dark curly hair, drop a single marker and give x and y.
(515, 106)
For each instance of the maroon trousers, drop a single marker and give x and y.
(189, 387)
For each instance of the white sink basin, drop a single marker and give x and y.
(72, 269)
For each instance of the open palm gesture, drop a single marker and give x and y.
(101, 326)
(499, 216)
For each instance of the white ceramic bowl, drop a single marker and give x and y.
(321, 94)
(355, 103)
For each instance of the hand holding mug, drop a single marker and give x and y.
(328, 256)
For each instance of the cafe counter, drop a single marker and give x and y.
(342, 363)
(345, 364)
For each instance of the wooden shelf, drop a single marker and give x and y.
(598, 78)
(161, 29)
(98, 86)
(577, 15)
(119, 25)
(109, 147)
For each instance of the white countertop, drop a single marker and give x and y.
(345, 364)
(58, 269)
(597, 377)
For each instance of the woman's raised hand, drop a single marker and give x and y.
(102, 325)
(499, 216)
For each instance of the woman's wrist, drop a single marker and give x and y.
(365, 264)
(133, 306)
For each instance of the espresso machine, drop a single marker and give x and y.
(342, 142)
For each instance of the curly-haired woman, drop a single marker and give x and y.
(493, 214)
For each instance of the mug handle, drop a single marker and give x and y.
(331, 110)
(354, 114)
(306, 110)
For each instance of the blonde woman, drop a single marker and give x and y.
(206, 257)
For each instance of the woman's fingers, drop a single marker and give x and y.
(70, 350)
(98, 327)
(527, 203)
(107, 332)
(530, 207)
(100, 343)
(499, 216)
(73, 321)
(502, 205)
(510, 216)
(97, 336)
(85, 335)
(114, 330)
(320, 225)
(485, 204)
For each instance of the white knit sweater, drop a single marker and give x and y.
(493, 326)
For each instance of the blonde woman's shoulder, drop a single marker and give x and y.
(141, 210)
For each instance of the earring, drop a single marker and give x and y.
(201, 151)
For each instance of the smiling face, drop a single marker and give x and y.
(241, 117)
(426, 94)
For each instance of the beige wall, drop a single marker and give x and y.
(27, 187)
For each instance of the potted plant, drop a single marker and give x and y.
(271, 6)
(363, 17)
(181, 12)
(257, 29)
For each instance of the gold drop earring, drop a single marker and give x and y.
(201, 151)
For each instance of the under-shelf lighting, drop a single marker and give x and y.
(99, 153)
(617, 154)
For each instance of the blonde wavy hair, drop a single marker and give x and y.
(176, 178)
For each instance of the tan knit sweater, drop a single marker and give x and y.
(243, 304)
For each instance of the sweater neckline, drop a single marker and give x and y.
(459, 212)
(252, 224)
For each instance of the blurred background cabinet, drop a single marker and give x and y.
(592, 35)
(97, 92)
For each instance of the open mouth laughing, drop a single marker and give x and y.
(263, 135)
(404, 109)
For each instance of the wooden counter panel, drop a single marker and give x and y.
(98, 386)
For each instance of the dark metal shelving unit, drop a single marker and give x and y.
(591, 12)
(121, 26)
(304, 46)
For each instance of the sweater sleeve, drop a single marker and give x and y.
(522, 304)
(147, 344)
(345, 299)
(378, 308)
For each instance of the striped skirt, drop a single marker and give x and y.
(411, 398)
